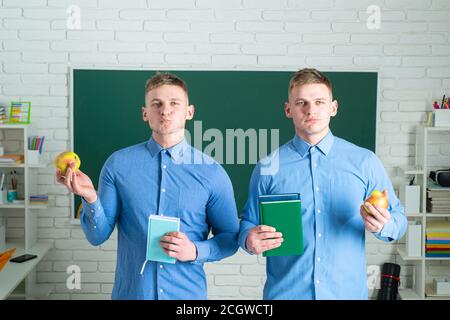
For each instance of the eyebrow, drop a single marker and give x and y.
(171, 99)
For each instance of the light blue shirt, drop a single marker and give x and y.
(146, 179)
(333, 179)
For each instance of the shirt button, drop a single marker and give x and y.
(164, 166)
(320, 235)
(317, 281)
(160, 266)
(163, 190)
(317, 189)
(318, 210)
(318, 259)
(92, 210)
(315, 164)
(161, 290)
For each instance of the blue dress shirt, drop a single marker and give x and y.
(146, 179)
(333, 178)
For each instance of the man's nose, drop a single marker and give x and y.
(165, 109)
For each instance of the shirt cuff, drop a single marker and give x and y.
(387, 230)
(243, 234)
(90, 208)
(203, 251)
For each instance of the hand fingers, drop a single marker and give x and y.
(374, 222)
(176, 234)
(171, 239)
(264, 228)
(370, 226)
(172, 254)
(169, 246)
(383, 212)
(270, 243)
(378, 216)
(269, 235)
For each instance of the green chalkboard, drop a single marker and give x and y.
(107, 113)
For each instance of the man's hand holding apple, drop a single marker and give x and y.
(77, 182)
(374, 211)
(262, 238)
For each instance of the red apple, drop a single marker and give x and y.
(378, 198)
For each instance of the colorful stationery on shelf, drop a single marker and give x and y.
(3, 117)
(284, 213)
(20, 112)
(36, 143)
(158, 226)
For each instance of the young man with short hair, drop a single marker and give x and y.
(333, 177)
(160, 176)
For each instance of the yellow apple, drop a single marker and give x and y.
(378, 198)
(64, 159)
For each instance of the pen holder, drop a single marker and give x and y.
(34, 156)
(441, 118)
(2, 196)
(11, 195)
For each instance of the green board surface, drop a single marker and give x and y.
(107, 113)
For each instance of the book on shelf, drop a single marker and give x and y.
(438, 199)
(12, 158)
(39, 199)
(437, 243)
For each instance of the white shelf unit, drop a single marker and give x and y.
(18, 280)
(421, 288)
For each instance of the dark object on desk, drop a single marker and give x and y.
(23, 258)
(441, 177)
(390, 280)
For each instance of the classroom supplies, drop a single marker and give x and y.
(20, 112)
(36, 143)
(284, 213)
(5, 256)
(158, 226)
(3, 118)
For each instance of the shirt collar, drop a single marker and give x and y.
(176, 151)
(324, 145)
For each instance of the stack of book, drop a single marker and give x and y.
(3, 118)
(39, 199)
(437, 244)
(12, 159)
(438, 199)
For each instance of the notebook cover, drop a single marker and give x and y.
(157, 227)
(285, 217)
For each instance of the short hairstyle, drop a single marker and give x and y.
(308, 76)
(160, 79)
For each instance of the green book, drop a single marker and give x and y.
(286, 217)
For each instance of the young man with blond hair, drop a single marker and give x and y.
(333, 177)
(160, 176)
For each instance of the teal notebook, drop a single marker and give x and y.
(286, 217)
(157, 227)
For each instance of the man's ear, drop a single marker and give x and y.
(144, 114)
(287, 110)
(190, 112)
(334, 108)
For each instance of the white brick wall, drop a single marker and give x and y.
(411, 51)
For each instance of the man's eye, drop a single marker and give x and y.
(174, 103)
(300, 103)
(156, 105)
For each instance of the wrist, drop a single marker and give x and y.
(91, 198)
